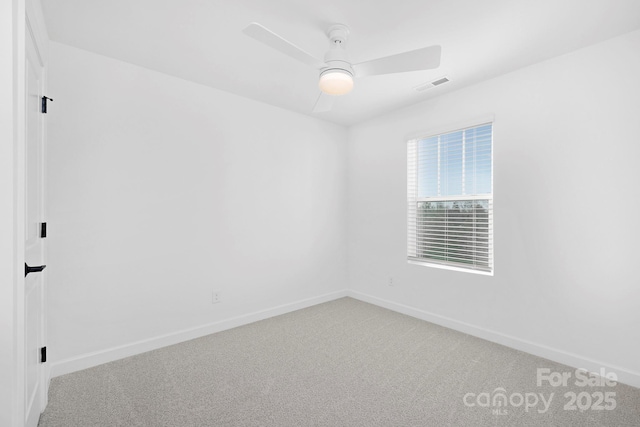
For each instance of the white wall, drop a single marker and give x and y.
(566, 177)
(162, 190)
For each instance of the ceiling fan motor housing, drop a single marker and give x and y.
(336, 58)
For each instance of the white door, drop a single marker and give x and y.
(34, 296)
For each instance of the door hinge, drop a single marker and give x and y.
(43, 354)
(44, 104)
(43, 230)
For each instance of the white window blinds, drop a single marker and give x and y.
(450, 199)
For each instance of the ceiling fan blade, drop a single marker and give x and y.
(268, 37)
(324, 103)
(414, 60)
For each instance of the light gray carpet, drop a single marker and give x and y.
(343, 363)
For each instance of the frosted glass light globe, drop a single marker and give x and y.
(336, 82)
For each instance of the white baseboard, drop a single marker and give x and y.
(89, 360)
(624, 375)
(97, 358)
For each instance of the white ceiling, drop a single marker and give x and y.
(202, 41)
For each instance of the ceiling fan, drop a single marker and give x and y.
(336, 71)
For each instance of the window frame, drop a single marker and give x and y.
(435, 132)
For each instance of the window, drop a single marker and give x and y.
(450, 199)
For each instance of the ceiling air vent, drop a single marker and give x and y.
(436, 82)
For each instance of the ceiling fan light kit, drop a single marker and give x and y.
(336, 82)
(336, 71)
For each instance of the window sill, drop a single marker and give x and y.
(449, 267)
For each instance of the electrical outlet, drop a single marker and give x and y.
(391, 282)
(215, 298)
